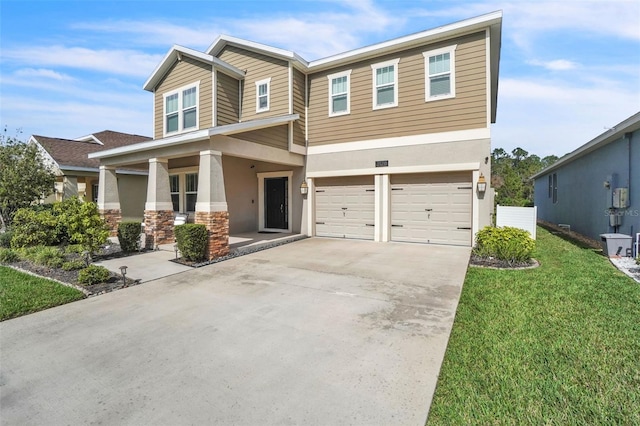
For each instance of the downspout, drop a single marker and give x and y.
(628, 136)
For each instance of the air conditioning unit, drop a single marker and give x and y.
(620, 198)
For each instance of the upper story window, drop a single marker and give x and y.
(339, 93)
(262, 95)
(181, 109)
(385, 84)
(440, 81)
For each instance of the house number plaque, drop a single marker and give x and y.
(383, 163)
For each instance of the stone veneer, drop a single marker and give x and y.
(217, 224)
(158, 227)
(113, 218)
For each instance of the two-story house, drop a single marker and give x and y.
(389, 142)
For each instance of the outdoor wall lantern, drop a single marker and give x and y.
(482, 184)
(123, 270)
(304, 188)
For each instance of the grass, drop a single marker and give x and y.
(22, 294)
(559, 344)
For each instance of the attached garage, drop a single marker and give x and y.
(345, 207)
(432, 208)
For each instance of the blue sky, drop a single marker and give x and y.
(569, 69)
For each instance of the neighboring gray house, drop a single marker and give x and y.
(596, 188)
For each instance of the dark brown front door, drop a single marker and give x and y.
(276, 203)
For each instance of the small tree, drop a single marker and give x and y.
(24, 177)
(82, 223)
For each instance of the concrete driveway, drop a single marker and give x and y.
(320, 331)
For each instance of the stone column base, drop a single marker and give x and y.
(113, 218)
(158, 227)
(217, 224)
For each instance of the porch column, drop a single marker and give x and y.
(69, 186)
(158, 210)
(211, 205)
(109, 199)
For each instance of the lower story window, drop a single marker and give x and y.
(94, 192)
(191, 191)
(174, 184)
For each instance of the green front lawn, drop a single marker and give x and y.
(22, 294)
(559, 344)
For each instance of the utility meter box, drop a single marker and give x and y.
(620, 198)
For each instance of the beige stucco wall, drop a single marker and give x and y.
(132, 190)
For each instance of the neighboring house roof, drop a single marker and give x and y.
(70, 154)
(493, 21)
(631, 124)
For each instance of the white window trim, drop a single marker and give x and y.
(179, 91)
(374, 67)
(259, 83)
(330, 78)
(451, 50)
(181, 173)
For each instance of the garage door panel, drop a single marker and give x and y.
(430, 208)
(345, 207)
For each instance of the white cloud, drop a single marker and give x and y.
(42, 73)
(125, 62)
(556, 65)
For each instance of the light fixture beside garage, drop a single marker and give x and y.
(304, 188)
(482, 184)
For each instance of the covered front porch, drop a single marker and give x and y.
(230, 185)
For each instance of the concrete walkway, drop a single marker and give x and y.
(316, 332)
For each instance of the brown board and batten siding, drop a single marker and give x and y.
(277, 137)
(412, 116)
(183, 73)
(299, 99)
(258, 67)
(228, 99)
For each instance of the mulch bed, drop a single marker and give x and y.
(491, 262)
(70, 278)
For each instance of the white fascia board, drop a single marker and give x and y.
(631, 124)
(196, 136)
(219, 44)
(460, 27)
(427, 168)
(97, 170)
(48, 158)
(89, 138)
(172, 56)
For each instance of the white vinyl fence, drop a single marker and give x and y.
(518, 217)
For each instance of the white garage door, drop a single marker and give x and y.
(432, 208)
(345, 207)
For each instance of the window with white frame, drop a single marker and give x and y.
(181, 109)
(174, 185)
(262, 95)
(440, 81)
(339, 93)
(191, 191)
(94, 192)
(385, 84)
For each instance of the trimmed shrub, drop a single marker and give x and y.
(73, 265)
(192, 241)
(93, 274)
(74, 249)
(5, 239)
(31, 228)
(507, 243)
(82, 223)
(49, 256)
(8, 255)
(129, 236)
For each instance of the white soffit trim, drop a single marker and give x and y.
(44, 152)
(451, 30)
(196, 136)
(427, 168)
(89, 138)
(456, 136)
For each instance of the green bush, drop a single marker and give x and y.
(49, 256)
(74, 249)
(5, 239)
(8, 255)
(33, 228)
(129, 236)
(73, 265)
(192, 241)
(82, 223)
(28, 253)
(93, 274)
(507, 243)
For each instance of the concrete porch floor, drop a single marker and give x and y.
(157, 264)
